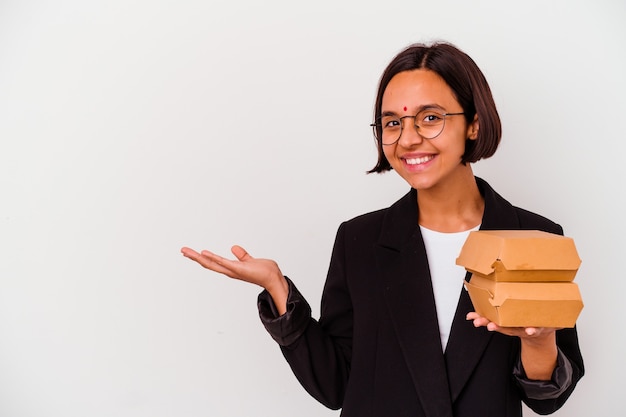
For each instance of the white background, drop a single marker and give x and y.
(130, 128)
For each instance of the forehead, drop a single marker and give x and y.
(417, 88)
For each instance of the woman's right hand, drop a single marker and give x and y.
(262, 272)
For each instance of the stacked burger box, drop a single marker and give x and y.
(522, 278)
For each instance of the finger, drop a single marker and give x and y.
(232, 268)
(240, 253)
(472, 315)
(216, 259)
(530, 331)
(477, 319)
(209, 260)
(217, 267)
(189, 253)
(492, 327)
(482, 322)
(213, 258)
(206, 259)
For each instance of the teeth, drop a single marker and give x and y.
(417, 161)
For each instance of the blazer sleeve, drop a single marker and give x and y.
(545, 390)
(567, 343)
(569, 351)
(318, 352)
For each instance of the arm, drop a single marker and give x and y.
(538, 353)
(319, 353)
(262, 272)
(546, 394)
(538, 349)
(550, 363)
(545, 397)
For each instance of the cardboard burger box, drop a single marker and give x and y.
(522, 278)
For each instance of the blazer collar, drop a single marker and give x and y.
(466, 343)
(401, 220)
(403, 265)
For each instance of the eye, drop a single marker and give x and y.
(390, 123)
(431, 117)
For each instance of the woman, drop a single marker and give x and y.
(397, 334)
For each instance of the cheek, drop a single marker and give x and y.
(388, 152)
(454, 145)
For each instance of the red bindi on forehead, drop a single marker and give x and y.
(404, 108)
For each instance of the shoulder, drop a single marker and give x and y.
(501, 214)
(402, 211)
(530, 220)
(371, 221)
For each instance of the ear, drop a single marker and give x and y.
(472, 128)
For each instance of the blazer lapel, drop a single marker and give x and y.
(466, 343)
(402, 262)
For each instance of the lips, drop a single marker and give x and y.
(418, 160)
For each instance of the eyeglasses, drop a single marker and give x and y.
(429, 124)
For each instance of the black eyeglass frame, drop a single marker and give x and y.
(417, 127)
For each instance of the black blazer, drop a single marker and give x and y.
(376, 350)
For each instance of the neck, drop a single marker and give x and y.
(455, 207)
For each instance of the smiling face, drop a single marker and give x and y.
(427, 163)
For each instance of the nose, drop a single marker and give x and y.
(409, 135)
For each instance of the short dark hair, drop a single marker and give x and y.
(468, 84)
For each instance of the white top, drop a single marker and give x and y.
(447, 277)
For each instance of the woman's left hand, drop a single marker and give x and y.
(527, 333)
(538, 346)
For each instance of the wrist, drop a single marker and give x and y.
(544, 340)
(279, 291)
(539, 356)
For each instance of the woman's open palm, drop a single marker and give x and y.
(262, 272)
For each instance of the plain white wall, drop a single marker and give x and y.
(129, 128)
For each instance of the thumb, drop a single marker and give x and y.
(530, 331)
(240, 253)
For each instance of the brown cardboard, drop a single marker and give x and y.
(522, 278)
(520, 256)
(527, 304)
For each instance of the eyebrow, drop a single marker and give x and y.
(430, 106)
